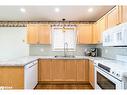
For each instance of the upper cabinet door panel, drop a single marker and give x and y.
(101, 27)
(113, 17)
(94, 34)
(38, 34)
(32, 34)
(124, 13)
(44, 34)
(103, 22)
(84, 33)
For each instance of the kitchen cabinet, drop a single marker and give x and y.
(44, 68)
(94, 34)
(63, 70)
(84, 33)
(70, 70)
(113, 17)
(91, 74)
(44, 34)
(19, 77)
(32, 33)
(82, 70)
(98, 28)
(58, 70)
(123, 12)
(98, 32)
(102, 23)
(12, 77)
(38, 34)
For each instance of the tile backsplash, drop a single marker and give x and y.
(111, 52)
(107, 52)
(46, 50)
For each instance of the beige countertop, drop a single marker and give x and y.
(22, 61)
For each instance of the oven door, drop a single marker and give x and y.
(104, 80)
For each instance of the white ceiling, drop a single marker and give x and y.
(46, 13)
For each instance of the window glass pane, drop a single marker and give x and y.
(59, 38)
(70, 38)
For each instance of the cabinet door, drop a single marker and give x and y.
(102, 28)
(12, 77)
(82, 70)
(70, 70)
(124, 13)
(94, 34)
(44, 34)
(44, 70)
(32, 34)
(113, 17)
(84, 33)
(98, 32)
(91, 74)
(58, 70)
(103, 22)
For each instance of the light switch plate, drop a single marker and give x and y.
(42, 50)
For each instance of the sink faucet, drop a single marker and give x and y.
(65, 48)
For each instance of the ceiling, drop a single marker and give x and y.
(47, 13)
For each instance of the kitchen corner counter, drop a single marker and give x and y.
(22, 61)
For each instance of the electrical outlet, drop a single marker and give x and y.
(41, 49)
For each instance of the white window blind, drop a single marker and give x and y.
(60, 37)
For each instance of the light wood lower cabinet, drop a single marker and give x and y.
(44, 68)
(12, 77)
(63, 70)
(91, 74)
(57, 70)
(70, 70)
(19, 77)
(82, 70)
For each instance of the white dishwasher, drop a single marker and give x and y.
(31, 75)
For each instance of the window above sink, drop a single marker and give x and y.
(60, 37)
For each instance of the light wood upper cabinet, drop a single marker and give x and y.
(44, 67)
(91, 74)
(38, 34)
(123, 13)
(98, 32)
(32, 34)
(44, 34)
(94, 34)
(101, 27)
(70, 70)
(103, 24)
(113, 17)
(84, 33)
(82, 70)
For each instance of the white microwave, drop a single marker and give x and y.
(116, 36)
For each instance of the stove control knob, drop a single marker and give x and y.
(118, 75)
(113, 72)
